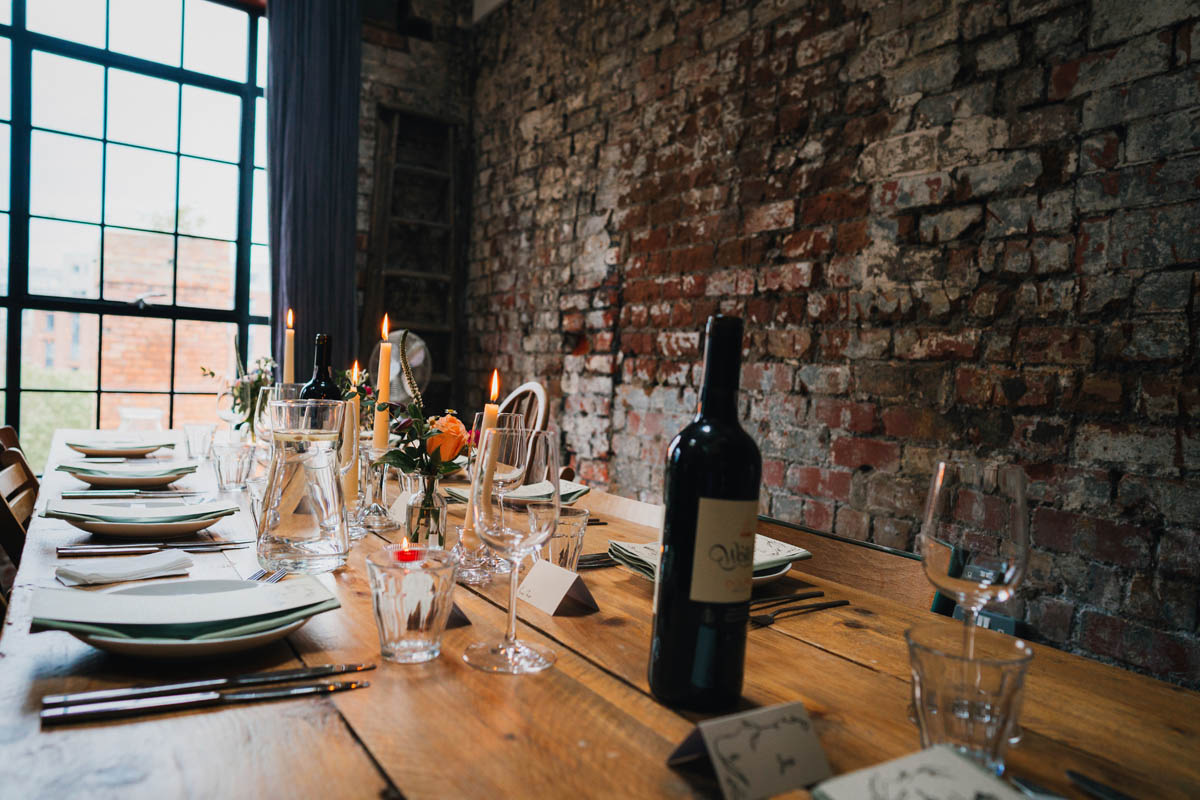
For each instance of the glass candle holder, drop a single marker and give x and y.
(412, 592)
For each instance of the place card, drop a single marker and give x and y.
(937, 773)
(758, 753)
(548, 587)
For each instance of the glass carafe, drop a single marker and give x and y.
(303, 527)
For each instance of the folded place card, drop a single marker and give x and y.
(937, 773)
(758, 753)
(548, 587)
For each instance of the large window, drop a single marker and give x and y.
(133, 209)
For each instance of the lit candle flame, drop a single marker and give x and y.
(495, 385)
(289, 318)
(354, 374)
(385, 327)
(404, 544)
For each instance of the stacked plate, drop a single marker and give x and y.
(772, 558)
(569, 492)
(129, 447)
(129, 476)
(187, 619)
(140, 518)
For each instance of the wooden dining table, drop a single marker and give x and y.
(587, 727)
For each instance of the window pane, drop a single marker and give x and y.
(260, 342)
(139, 188)
(3, 348)
(260, 132)
(3, 261)
(147, 29)
(64, 258)
(212, 123)
(58, 350)
(112, 404)
(5, 133)
(142, 110)
(5, 79)
(260, 280)
(77, 20)
(44, 412)
(135, 354)
(6, 12)
(206, 273)
(137, 265)
(258, 233)
(197, 408)
(203, 344)
(215, 40)
(208, 198)
(263, 39)
(64, 177)
(68, 94)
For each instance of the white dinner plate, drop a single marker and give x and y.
(144, 530)
(115, 450)
(186, 648)
(132, 482)
(771, 575)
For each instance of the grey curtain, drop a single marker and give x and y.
(312, 160)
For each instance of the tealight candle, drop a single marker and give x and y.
(406, 553)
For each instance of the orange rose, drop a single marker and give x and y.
(451, 439)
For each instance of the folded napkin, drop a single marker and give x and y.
(137, 510)
(127, 470)
(769, 554)
(124, 568)
(245, 608)
(569, 492)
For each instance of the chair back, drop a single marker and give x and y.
(18, 495)
(8, 438)
(894, 574)
(528, 400)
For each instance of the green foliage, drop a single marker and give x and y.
(412, 454)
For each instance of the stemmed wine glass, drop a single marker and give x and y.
(508, 458)
(974, 538)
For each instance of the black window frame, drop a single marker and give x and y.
(18, 299)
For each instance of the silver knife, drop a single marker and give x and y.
(155, 705)
(105, 494)
(140, 543)
(1095, 788)
(249, 679)
(143, 549)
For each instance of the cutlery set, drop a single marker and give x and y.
(144, 548)
(58, 709)
(786, 606)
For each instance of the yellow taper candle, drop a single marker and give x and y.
(289, 351)
(491, 413)
(350, 440)
(383, 392)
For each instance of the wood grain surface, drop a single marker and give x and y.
(587, 727)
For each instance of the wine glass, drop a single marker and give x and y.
(478, 564)
(508, 457)
(974, 538)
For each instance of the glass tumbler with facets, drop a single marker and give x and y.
(412, 592)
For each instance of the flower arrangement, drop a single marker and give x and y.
(427, 447)
(244, 389)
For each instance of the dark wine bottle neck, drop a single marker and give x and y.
(722, 368)
(321, 365)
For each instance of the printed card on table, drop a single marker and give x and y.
(758, 753)
(548, 587)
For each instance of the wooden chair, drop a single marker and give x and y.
(8, 438)
(18, 493)
(894, 574)
(528, 400)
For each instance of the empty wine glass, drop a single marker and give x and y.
(507, 457)
(477, 564)
(974, 538)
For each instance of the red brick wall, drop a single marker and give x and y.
(950, 227)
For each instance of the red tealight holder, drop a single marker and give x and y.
(406, 553)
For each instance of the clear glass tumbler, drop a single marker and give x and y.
(232, 461)
(566, 543)
(969, 703)
(199, 440)
(302, 527)
(412, 592)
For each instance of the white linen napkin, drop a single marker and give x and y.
(124, 568)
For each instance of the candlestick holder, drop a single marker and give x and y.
(375, 515)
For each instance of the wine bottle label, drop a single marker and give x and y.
(723, 564)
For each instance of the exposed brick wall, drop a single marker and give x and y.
(950, 226)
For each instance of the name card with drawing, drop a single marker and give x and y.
(550, 588)
(758, 753)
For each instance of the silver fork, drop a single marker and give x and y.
(274, 577)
